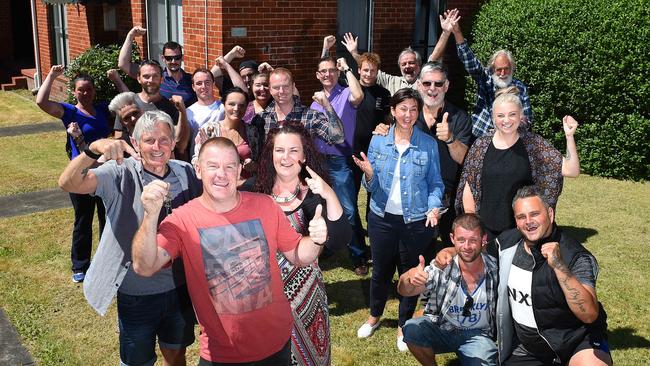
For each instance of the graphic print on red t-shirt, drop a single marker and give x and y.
(236, 260)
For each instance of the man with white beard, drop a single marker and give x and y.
(497, 75)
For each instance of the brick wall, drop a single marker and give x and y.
(392, 31)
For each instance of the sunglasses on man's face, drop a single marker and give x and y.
(437, 84)
(469, 302)
(173, 58)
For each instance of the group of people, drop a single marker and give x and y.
(216, 210)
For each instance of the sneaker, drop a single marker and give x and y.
(401, 346)
(361, 270)
(78, 277)
(366, 330)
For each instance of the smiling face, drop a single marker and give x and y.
(84, 92)
(405, 113)
(468, 243)
(281, 88)
(235, 106)
(218, 168)
(173, 59)
(502, 75)
(534, 220)
(202, 85)
(409, 67)
(507, 117)
(327, 74)
(368, 73)
(432, 95)
(288, 152)
(155, 148)
(260, 88)
(247, 75)
(149, 78)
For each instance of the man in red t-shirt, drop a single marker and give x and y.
(227, 240)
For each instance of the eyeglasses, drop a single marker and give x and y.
(173, 58)
(437, 84)
(469, 302)
(325, 71)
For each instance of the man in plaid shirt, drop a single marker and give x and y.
(459, 313)
(287, 107)
(498, 75)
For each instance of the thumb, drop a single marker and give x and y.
(421, 265)
(444, 117)
(319, 212)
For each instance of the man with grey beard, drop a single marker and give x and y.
(497, 75)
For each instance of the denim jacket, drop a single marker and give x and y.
(421, 183)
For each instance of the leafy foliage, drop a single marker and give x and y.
(96, 61)
(586, 58)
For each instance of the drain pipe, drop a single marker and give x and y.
(207, 57)
(37, 49)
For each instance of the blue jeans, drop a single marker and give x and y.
(343, 185)
(473, 346)
(168, 315)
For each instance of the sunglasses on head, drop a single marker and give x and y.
(469, 302)
(173, 58)
(437, 84)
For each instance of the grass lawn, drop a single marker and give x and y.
(59, 328)
(18, 108)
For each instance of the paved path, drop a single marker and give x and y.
(36, 127)
(12, 351)
(26, 203)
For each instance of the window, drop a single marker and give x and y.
(354, 16)
(164, 23)
(427, 25)
(59, 34)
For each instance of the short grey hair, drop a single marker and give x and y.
(121, 100)
(147, 123)
(528, 192)
(508, 55)
(432, 67)
(408, 49)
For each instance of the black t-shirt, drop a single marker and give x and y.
(503, 173)
(372, 111)
(460, 125)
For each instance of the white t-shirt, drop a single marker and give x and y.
(198, 115)
(478, 318)
(394, 203)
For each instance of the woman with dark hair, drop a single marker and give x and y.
(261, 94)
(85, 122)
(247, 138)
(501, 162)
(290, 171)
(402, 173)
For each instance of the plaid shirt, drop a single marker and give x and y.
(443, 284)
(482, 116)
(328, 127)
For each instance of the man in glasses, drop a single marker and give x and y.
(175, 80)
(459, 315)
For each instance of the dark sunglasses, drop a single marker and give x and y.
(469, 302)
(173, 58)
(437, 84)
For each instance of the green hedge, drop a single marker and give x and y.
(587, 58)
(95, 61)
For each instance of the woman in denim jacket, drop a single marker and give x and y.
(402, 171)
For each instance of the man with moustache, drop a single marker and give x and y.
(497, 75)
(409, 62)
(459, 312)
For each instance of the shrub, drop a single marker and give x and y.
(95, 61)
(586, 58)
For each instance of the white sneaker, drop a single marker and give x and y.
(401, 346)
(366, 330)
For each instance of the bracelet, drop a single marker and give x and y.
(451, 139)
(347, 70)
(323, 243)
(91, 154)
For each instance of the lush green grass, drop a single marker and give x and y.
(18, 108)
(31, 162)
(59, 328)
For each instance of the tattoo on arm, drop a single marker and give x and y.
(84, 172)
(334, 133)
(573, 294)
(568, 155)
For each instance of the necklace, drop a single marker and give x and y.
(288, 199)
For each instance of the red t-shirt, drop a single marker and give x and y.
(232, 275)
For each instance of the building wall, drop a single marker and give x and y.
(392, 31)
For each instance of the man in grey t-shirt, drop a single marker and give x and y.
(148, 308)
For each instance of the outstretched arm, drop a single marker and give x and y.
(328, 42)
(350, 43)
(124, 59)
(236, 79)
(447, 23)
(570, 162)
(43, 101)
(356, 93)
(114, 76)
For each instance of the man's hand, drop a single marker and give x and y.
(432, 217)
(57, 70)
(364, 165)
(153, 196)
(350, 42)
(137, 31)
(265, 68)
(74, 130)
(318, 227)
(177, 100)
(570, 125)
(341, 64)
(450, 19)
(318, 186)
(328, 42)
(443, 133)
(381, 129)
(444, 257)
(112, 74)
(235, 52)
(320, 98)
(113, 149)
(220, 62)
(551, 251)
(417, 276)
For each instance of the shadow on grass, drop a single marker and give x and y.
(580, 234)
(622, 338)
(348, 296)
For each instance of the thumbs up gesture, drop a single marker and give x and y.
(442, 130)
(318, 227)
(418, 276)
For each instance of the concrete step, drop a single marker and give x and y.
(17, 82)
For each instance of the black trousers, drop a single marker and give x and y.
(82, 232)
